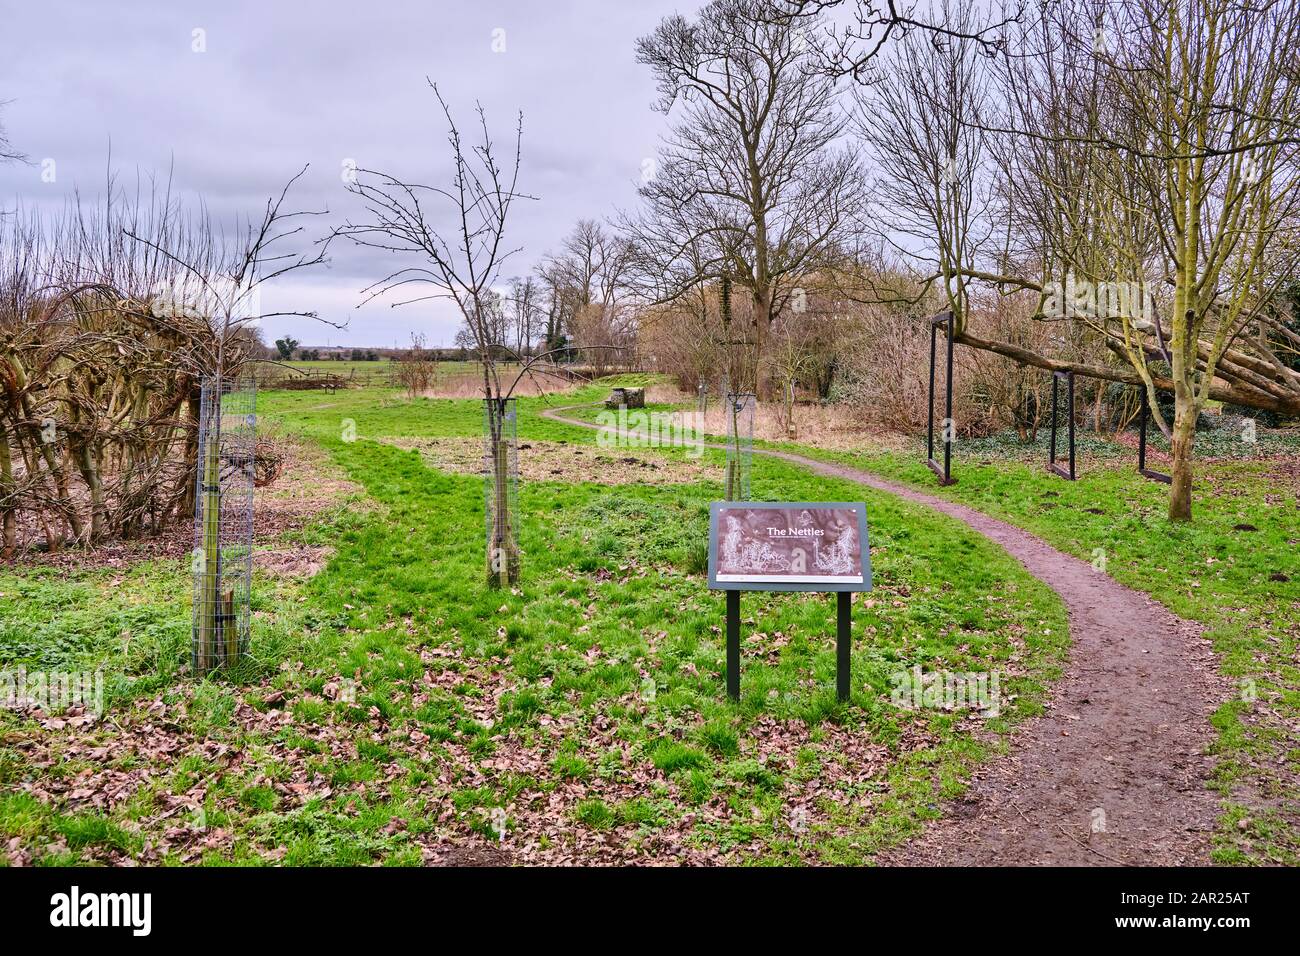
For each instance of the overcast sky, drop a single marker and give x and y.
(279, 85)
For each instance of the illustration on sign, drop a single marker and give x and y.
(794, 546)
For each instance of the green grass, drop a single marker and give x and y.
(392, 703)
(133, 625)
(346, 365)
(1233, 569)
(380, 372)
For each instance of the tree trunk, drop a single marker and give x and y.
(208, 638)
(789, 409)
(1181, 443)
(184, 491)
(57, 467)
(89, 468)
(8, 503)
(503, 549)
(762, 305)
(505, 560)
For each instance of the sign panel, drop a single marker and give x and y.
(789, 546)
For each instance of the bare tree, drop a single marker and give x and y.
(416, 368)
(111, 313)
(492, 328)
(221, 282)
(751, 184)
(8, 153)
(457, 255)
(587, 284)
(580, 259)
(790, 358)
(930, 161)
(1147, 160)
(1192, 193)
(854, 41)
(560, 302)
(218, 284)
(526, 318)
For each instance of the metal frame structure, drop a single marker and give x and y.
(1145, 416)
(943, 471)
(1052, 465)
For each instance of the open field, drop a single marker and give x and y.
(391, 706)
(453, 379)
(1234, 570)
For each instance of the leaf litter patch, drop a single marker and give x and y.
(564, 462)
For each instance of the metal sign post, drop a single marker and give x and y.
(790, 546)
(733, 645)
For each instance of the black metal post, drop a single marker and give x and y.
(1051, 451)
(1071, 381)
(949, 427)
(1143, 470)
(945, 471)
(843, 645)
(1052, 466)
(929, 427)
(733, 645)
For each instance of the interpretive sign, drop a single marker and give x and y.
(789, 546)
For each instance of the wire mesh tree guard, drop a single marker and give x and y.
(945, 471)
(1052, 465)
(223, 522)
(740, 410)
(501, 489)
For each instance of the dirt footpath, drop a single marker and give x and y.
(1115, 772)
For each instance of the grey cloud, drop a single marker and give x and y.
(281, 85)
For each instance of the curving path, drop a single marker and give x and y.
(1115, 772)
